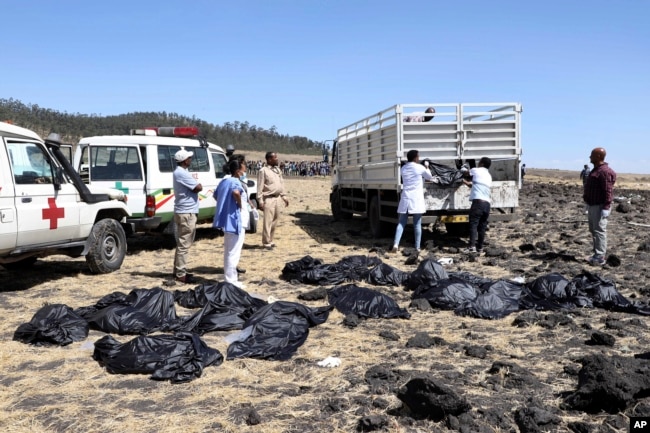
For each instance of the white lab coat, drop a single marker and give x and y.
(412, 199)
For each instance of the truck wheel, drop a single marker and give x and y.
(378, 228)
(457, 229)
(337, 212)
(107, 247)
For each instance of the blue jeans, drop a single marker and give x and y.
(479, 213)
(417, 228)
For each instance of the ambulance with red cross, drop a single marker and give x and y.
(142, 165)
(46, 209)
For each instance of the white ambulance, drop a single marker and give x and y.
(142, 165)
(45, 208)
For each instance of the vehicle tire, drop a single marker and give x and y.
(337, 213)
(169, 228)
(253, 224)
(457, 229)
(378, 228)
(254, 201)
(20, 265)
(107, 247)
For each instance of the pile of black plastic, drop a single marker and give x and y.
(276, 330)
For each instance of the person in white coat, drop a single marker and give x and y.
(412, 198)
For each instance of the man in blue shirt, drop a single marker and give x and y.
(479, 212)
(186, 208)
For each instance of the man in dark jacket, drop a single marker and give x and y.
(598, 194)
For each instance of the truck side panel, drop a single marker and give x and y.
(458, 131)
(450, 199)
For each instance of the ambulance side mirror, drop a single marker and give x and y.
(58, 178)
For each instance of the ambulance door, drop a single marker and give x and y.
(8, 224)
(47, 209)
(202, 168)
(114, 166)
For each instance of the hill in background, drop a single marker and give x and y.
(72, 127)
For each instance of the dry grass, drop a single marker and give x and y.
(58, 389)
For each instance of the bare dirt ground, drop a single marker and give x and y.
(513, 377)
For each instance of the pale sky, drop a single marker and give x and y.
(581, 69)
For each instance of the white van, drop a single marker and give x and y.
(142, 165)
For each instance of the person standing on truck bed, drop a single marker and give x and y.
(270, 189)
(598, 195)
(420, 117)
(412, 198)
(186, 208)
(479, 212)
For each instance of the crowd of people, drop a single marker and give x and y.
(294, 168)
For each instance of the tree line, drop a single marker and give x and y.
(73, 127)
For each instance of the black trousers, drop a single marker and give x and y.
(479, 213)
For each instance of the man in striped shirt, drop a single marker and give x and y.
(598, 194)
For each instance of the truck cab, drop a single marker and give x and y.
(45, 209)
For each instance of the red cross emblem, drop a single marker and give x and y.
(53, 213)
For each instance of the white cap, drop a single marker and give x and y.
(182, 155)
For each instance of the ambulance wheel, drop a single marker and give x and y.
(107, 247)
(253, 224)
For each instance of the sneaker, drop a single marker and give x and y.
(394, 249)
(597, 261)
(470, 250)
(269, 246)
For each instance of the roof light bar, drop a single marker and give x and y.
(178, 131)
(168, 131)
